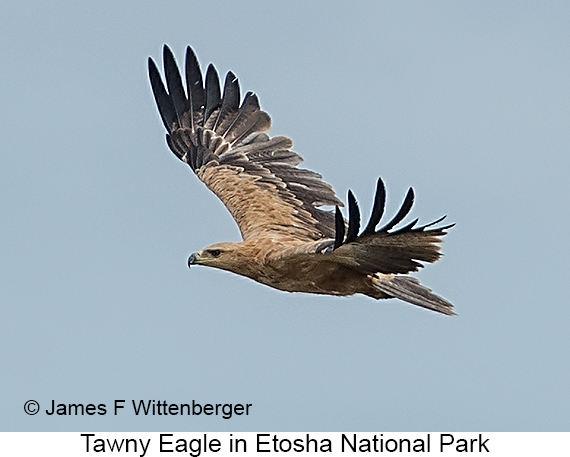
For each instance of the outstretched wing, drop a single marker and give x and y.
(228, 147)
(388, 250)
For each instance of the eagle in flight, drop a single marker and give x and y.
(289, 241)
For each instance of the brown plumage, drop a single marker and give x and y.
(289, 242)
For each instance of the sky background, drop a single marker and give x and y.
(468, 102)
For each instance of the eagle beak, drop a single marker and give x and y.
(194, 259)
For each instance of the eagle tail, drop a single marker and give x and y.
(409, 289)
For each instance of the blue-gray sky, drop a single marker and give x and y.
(468, 102)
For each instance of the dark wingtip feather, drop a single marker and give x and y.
(408, 227)
(377, 208)
(230, 99)
(251, 99)
(402, 212)
(339, 228)
(231, 92)
(353, 218)
(435, 229)
(166, 50)
(230, 77)
(163, 101)
(174, 84)
(437, 221)
(194, 81)
(213, 94)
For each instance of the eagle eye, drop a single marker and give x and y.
(214, 252)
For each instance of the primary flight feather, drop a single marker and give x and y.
(289, 242)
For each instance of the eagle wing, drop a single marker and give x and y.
(389, 249)
(228, 147)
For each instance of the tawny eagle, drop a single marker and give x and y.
(290, 242)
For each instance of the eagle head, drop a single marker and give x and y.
(225, 256)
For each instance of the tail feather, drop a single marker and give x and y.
(409, 289)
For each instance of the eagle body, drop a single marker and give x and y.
(285, 267)
(290, 242)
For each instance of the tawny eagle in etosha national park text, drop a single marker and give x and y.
(290, 242)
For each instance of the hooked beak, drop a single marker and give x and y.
(194, 259)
